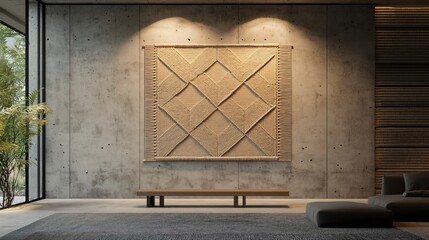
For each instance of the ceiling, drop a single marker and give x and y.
(12, 12)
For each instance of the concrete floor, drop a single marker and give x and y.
(19, 216)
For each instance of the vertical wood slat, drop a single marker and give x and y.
(402, 91)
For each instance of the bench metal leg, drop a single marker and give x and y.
(161, 201)
(244, 201)
(150, 201)
(235, 201)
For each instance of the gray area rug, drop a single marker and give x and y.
(125, 226)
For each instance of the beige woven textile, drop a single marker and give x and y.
(218, 102)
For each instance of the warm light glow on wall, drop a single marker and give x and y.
(183, 30)
(268, 24)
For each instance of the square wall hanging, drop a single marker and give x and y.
(218, 102)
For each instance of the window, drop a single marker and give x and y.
(12, 93)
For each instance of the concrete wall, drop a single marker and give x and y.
(95, 87)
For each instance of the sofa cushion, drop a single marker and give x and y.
(416, 193)
(403, 208)
(348, 214)
(416, 181)
(392, 185)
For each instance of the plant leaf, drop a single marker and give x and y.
(4, 146)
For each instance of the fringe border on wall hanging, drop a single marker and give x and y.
(218, 102)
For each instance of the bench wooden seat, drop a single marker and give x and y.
(151, 193)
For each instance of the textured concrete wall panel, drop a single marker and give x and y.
(33, 85)
(350, 101)
(107, 91)
(186, 25)
(57, 97)
(176, 24)
(303, 27)
(189, 175)
(104, 101)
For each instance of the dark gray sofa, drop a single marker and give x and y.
(403, 208)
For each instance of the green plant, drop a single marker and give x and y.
(19, 123)
(20, 118)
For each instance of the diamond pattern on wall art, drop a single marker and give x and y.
(216, 102)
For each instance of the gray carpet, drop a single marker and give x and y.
(124, 226)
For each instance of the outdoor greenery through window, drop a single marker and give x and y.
(21, 118)
(12, 93)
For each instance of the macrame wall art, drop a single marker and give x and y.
(218, 102)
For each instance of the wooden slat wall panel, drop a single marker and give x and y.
(402, 91)
(416, 75)
(402, 46)
(403, 158)
(397, 17)
(402, 96)
(401, 137)
(402, 116)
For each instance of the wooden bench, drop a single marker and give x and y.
(151, 193)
